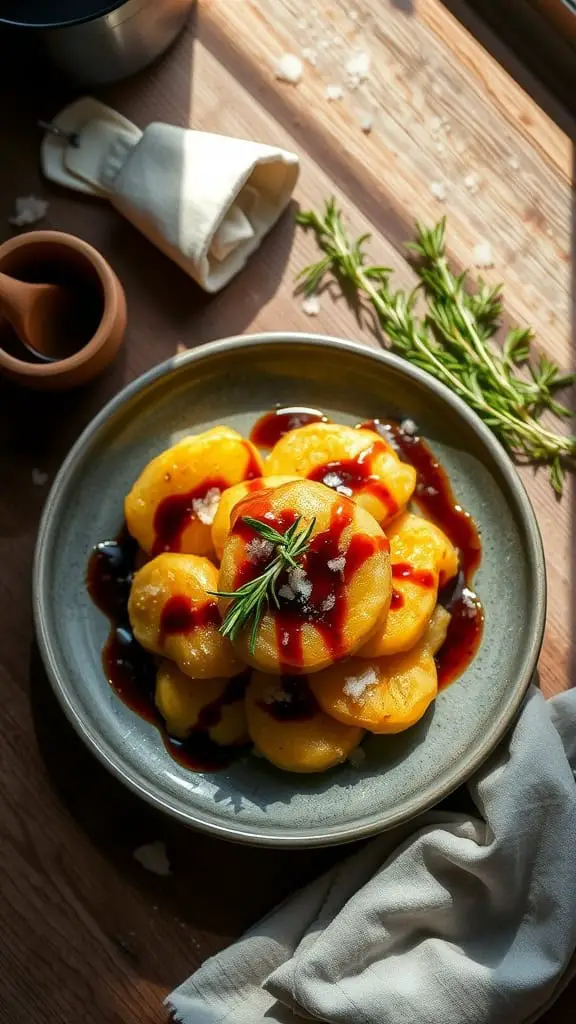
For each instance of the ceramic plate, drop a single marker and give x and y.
(233, 382)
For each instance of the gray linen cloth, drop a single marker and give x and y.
(452, 919)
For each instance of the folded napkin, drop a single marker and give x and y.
(451, 919)
(206, 200)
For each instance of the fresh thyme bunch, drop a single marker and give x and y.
(452, 340)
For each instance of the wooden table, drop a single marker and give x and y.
(86, 933)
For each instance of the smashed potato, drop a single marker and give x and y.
(173, 502)
(172, 613)
(332, 600)
(231, 497)
(355, 462)
(384, 695)
(289, 729)
(420, 554)
(214, 705)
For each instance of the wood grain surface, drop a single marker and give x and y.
(85, 932)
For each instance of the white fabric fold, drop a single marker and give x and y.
(452, 919)
(206, 200)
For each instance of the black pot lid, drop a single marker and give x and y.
(52, 13)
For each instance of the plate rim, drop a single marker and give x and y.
(256, 835)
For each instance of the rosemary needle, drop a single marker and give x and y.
(453, 339)
(250, 602)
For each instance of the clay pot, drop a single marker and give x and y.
(58, 258)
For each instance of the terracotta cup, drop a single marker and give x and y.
(55, 257)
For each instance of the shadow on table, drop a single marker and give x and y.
(215, 886)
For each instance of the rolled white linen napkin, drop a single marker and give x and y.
(451, 919)
(206, 200)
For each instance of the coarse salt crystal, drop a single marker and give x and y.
(154, 858)
(356, 686)
(28, 210)
(258, 549)
(337, 564)
(469, 598)
(358, 67)
(286, 592)
(409, 427)
(332, 480)
(435, 124)
(38, 477)
(289, 68)
(268, 515)
(299, 582)
(311, 305)
(514, 163)
(471, 182)
(328, 603)
(483, 255)
(438, 190)
(310, 55)
(367, 123)
(205, 508)
(333, 92)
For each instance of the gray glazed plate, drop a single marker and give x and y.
(233, 382)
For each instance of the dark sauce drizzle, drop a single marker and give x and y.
(175, 512)
(268, 430)
(295, 701)
(131, 670)
(435, 498)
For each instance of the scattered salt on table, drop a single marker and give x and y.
(311, 305)
(333, 92)
(483, 255)
(289, 68)
(28, 210)
(154, 858)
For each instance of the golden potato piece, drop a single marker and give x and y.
(355, 462)
(336, 596)
(173, 502)
(419, 552)
(289, 729)
(215, 706)
(384, 695)
(173, 614)
(231, 497)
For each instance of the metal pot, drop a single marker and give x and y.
(95, 41)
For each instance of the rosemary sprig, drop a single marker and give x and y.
(453, 339)
(251, 600)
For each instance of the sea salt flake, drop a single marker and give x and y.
(289, 68)
(153, 857)
(483, 255)
(366, 123)
(409, 427)
(332, 480)
(300, 583)
(286, 592)
(471, 182)
(39, 478)
(333, 92)
(28, 210)
(337, 564)
(258, 549)
(514, 163)
(311, 305)
(438, 190)
(328, 603)
(205, 508)
(358, 67)
(356, 686)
